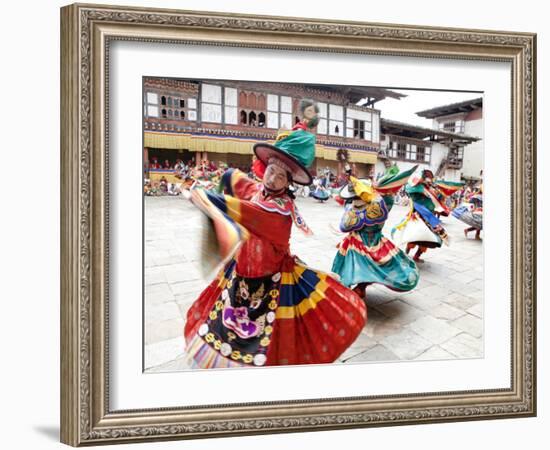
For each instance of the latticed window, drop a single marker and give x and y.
(402, 151)
(180, 108)
(453, 126)
(151, 104)
(358, 129)
(252, 108)
(420, 153)
(409, 152)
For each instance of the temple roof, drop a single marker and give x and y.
(371, 95)
(354, 94)
(452, 108)
(417, 132)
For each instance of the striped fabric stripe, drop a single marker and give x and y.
(381, 253)
(223, 223)
(301, 291)
(448, 187)
(392, 185)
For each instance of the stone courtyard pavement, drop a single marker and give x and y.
(441, 319)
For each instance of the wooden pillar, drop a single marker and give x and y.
(146, 162)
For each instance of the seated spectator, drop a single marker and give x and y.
(173, 189)
(147, 187)
(154, 163)
(153, 188)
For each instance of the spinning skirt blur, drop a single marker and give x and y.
(296, 316)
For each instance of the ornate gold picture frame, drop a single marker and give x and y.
(87, 32)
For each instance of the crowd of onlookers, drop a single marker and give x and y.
(465, 194)
(207, 174)
(161, 187)
(183, 168)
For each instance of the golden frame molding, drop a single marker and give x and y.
(86, 32)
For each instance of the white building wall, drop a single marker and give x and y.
(474, 152)
(380, 168)
(438, 152)
(452, 175)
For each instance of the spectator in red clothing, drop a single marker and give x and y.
(154, 163)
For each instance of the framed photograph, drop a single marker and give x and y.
(285, 224)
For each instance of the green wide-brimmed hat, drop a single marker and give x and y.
(296, 150)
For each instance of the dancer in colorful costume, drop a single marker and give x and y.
(320, 192)
(266, 307)
(365, 256)
(471, 213)
(421, 227)
(343, 179)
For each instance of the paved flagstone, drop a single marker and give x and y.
(441, 319)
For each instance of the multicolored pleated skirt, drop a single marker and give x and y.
(320, 194)
(296, 316)
(368, 257)
(419, 228)
(471, 218)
